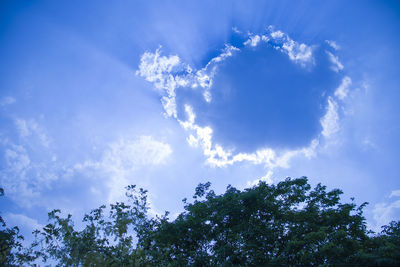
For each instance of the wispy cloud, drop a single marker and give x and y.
(204, 77)
(30, 128)
(219, 157)
(343, 89)
(7, 100)
(266, 178)
(14, 219)
(24, 178)
(333, 44)
(29, 163)
(383, 212)
(123, 158)
(169, 73)
(329, 122)
(299, 53)
(336, 64)
(395, 193)
(236, 30)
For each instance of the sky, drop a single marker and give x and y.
(169, 94)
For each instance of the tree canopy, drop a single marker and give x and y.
(286, 224)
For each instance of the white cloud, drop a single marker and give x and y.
(204, 77)
(383, 213)
(165, 78)
(298, 52)
(28, 167)
(30, 128)
(277, 34)
(26, 222)
(123, 158)
(163, 72)
(169, 73)
(153, 67)
(265, 38)
(129, 154)
(329, 122)
(17, 158)
(217, 156)
(266, 178)
(22, 128)
(336, 64)
(333, 44)
(395, 193)
(253, 40)
(7, 100)
(16, 175)
(343, 89)
(236, 30)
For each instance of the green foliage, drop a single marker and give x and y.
(105, 241)
(287, 224)
(12, 252)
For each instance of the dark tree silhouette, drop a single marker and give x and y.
(287, 224)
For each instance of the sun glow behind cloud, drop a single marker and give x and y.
(169, 74)
(240, 102)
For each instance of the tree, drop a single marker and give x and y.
(287, 224)
(11, 248)
(105, 241)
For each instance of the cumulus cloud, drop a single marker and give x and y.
(343, 89)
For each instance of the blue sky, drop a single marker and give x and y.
(168, 94)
